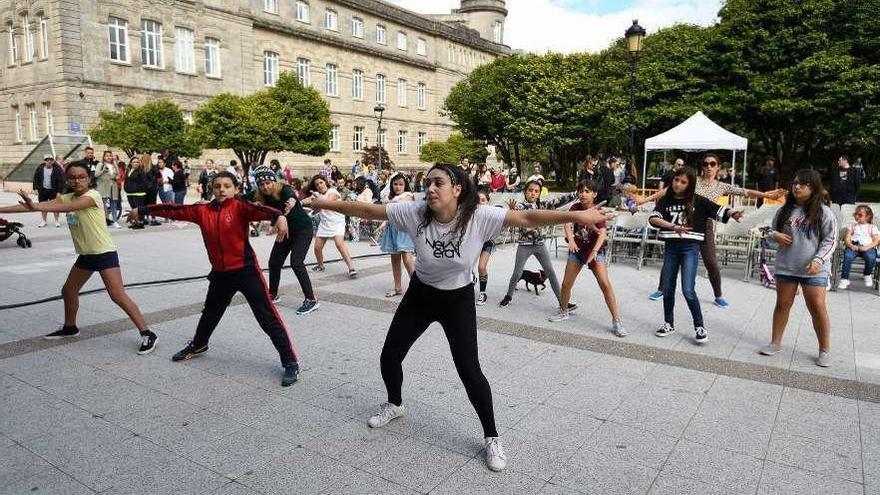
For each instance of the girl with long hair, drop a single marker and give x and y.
(485, 254)
(395, 241)
(682, 215)
(806, 230)
(330, 226)
(136, 188)
(449, 229)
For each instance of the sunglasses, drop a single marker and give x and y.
(710, 163)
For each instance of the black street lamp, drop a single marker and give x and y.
(635, 35)
(379, 109)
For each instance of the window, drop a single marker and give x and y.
(18, 138)
(331, 20)
(13, 47)
(357, 84)
(380, 34)
(332, 80)
(422, 96)
(380, 88)
(212, 57)
(401, 41)
(422, 139)
(28, 38)
(401, 92)
(303, 71)
(422, 47)
(151, 43)
(302, 12)
(184, 56)
(47, 113)
(357, 27)
(334, 138)
(270, 6)
(118, 36)
(450, 54)
(270, 68)
(401, 142)
(44, 38)
(357, 140)
(32, 120)
(187, 116)
(498, 32)
(380, 140)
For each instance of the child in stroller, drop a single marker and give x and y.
(8, 229)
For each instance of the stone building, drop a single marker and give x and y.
(66, 60)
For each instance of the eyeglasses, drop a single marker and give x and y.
(798, 184)
(859, 215)
(77, 178)
(710, 163)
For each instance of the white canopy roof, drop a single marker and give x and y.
(697, 133)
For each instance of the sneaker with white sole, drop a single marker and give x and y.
(495, 458)
(701, 336)
(387, 412)
(63, 332)
(869, 281)
(148, 343)
(824, 359)
(771, 349)
(665, 330)
(618, 328)
(482, 298)
(560, 315)
(308, 306)
(656, 296)
(843, 284)
(41, 225)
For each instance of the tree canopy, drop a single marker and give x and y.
(453, 150)
(149, 128)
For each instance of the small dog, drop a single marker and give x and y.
(538, 278)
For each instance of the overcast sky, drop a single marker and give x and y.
(581, 25)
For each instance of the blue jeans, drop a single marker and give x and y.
(166, 196)
(179, 196)
(849, 256)
(684, 255)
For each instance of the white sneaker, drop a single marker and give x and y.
(618, 328)
(57, 224)
(869, 281)
(387, 412)
(844, 284)
(495, 458)
(824, 359)
(116, 225)
(560, 315)
(41, 225)
(771, 349)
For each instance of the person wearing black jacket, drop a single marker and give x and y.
(178, 183)
(136, 188)
(601, 175)
(845, 182)
(49, 183)
(154, 182)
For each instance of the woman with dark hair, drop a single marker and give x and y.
(331, 224)
(806, 230)
(136, 188)
(395, 241)
(449, 229)
(335, 174)
(682, 216)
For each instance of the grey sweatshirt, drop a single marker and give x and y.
(806, 246)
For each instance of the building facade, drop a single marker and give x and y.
(67, 60)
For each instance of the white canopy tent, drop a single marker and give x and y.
(697, 133)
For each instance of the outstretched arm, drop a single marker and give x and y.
(358, 209)
(26, 204)
(537, 218)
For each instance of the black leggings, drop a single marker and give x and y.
(296, 245)
(456, 313)
(250, 282)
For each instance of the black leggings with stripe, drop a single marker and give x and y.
(456, 313)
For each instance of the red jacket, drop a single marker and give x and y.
(225, 228)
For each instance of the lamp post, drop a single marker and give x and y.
(635, 35)
(379, 109)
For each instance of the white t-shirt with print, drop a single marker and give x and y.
(167, 175)
(442, 261)
(863, 233)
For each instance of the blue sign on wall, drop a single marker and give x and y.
(74, 127)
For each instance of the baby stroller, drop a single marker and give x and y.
(767, 278)
(7, 229)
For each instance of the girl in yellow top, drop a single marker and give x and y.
(97, 253)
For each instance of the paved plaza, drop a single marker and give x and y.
(578, 410)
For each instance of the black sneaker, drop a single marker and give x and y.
(148, 343)
(482, 298)
(665, 330)
(291, 375)
(276, 298)
(155, 223)
(62, 333)
(307, 307)
(504, 302)
(572, 307)
(701, 335)
(189, 352)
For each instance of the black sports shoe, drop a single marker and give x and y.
(148, 343)
(504, 302)
(62, 333)
(275, 298)
(308, 306)
(291, 375)
(189, 352)
(572, 306)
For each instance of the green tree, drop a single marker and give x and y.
(453, 150)
(288, 117)
(146, 129)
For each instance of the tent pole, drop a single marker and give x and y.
(645, 168)
(745, 164)
(733, 164)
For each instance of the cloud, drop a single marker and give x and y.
(568, 26)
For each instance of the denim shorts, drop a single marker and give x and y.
(807, 281)
(97, 262)
(488, 247)
(581, 258)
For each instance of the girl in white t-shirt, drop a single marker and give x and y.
(448, 230)
(861, 241)
(331, 224)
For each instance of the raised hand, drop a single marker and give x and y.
(26, 200)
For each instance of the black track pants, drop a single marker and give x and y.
(456, 313)
(297, 246)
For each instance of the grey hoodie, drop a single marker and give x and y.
(806, 246)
